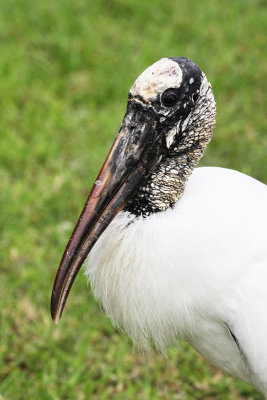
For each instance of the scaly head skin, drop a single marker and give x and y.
(182, 98)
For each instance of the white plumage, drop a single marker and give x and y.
(192, 272)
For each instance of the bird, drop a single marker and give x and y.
(173, 251)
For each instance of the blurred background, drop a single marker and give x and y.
(65, 71)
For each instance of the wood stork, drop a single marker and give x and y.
(178, 252)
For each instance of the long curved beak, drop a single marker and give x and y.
(133, 155)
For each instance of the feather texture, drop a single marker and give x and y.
(191, 271)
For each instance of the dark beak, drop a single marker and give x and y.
(134, 154)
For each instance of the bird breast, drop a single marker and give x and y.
(155, 276)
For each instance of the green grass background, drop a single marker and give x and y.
(65, 70)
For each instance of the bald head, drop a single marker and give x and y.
(160, 76)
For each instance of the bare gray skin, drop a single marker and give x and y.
(186, 141)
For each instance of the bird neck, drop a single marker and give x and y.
(166, 185)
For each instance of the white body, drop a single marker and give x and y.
(193, 272)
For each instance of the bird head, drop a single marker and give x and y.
(170, 114)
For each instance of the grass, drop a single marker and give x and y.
(65, 70)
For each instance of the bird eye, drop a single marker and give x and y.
(195, 97)
(169, 97)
